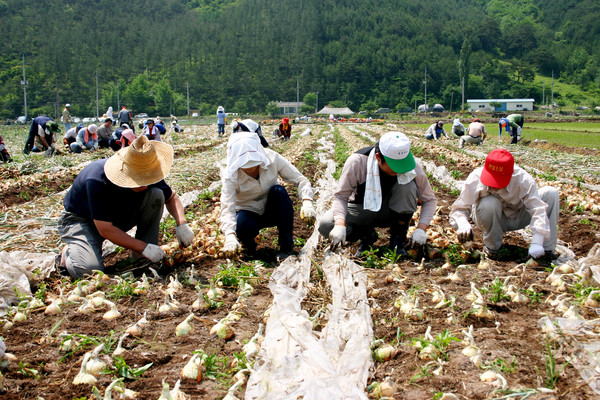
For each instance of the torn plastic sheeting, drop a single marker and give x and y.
(17, 269)
(296, 362)
(583, 345)
(440, 174)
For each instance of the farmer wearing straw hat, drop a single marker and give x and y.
(134, 176)
(252, 198)
(501, 197)
(380, 186)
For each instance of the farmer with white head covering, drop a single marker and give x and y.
(380, 186)
(248, 125)
(251, 187)
(111, 196)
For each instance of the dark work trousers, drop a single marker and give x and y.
(279, 212)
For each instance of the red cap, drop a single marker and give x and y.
(498, 169)
(286, 120)
(476, 120)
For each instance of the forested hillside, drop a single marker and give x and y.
(244, 53)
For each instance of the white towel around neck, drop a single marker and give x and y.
(372, 200)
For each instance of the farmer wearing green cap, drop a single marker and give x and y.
(42, 135)
(380, 186)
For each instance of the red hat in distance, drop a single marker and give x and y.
(498, 169)
(286, 120)
(476, 120)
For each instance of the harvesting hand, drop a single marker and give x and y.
(465, 231)
(307, 212)
(153, 252)
(536, 250)
(418, 237)
(231, 246)
(337, 236)
(184, 235)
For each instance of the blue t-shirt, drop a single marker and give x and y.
(93, 196)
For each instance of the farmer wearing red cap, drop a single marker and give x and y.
(380, 186)
(285, 129)
(501, 197)
(476, 134)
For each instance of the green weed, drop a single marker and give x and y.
(496, 290)
(128, 372)
(231, 274)
(552, 370)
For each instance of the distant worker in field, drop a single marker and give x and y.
(4, 154)
(221, 120)
(175, 127)
(285, 129)
(151, 131)
(42, 136)
(125, 117)
(513, 125)
(476, 134)
(71, 135)
(122, 137)
(248, 125)
(435, 131)
(135, 176)
(458, 128)
(105, 133)
(87, 139)
(501, 197)
(380, 187)
(66, 116)
(252, 198)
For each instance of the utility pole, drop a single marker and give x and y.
(118, 98)
(97, 104)
(188, 98)
(298, 95)
(317, 104)
(24, 83)
(425, 83)
(552, 103)
(462, 84)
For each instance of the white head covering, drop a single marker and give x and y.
(456, 122)
(244, 149)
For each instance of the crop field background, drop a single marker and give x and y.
(444, 323)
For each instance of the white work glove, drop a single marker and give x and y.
(418, 236)
(184, 235)
(153, 252)
(464, 231)
(307, 212)
(231, 246)
(53, 146)
(536, 250)
(337, 236)
(2, 348)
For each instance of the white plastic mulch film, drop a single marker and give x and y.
(297, 362)
(17, 270)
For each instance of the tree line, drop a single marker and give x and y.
(244, 54)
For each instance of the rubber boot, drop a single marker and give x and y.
(366, 242)
(398, 234)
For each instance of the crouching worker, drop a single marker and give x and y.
(380, 186)
(501, 197)
(133, 177)
(252, 199)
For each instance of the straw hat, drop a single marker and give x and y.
(143, 163)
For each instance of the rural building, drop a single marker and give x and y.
(289, 107)
(505, 105)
